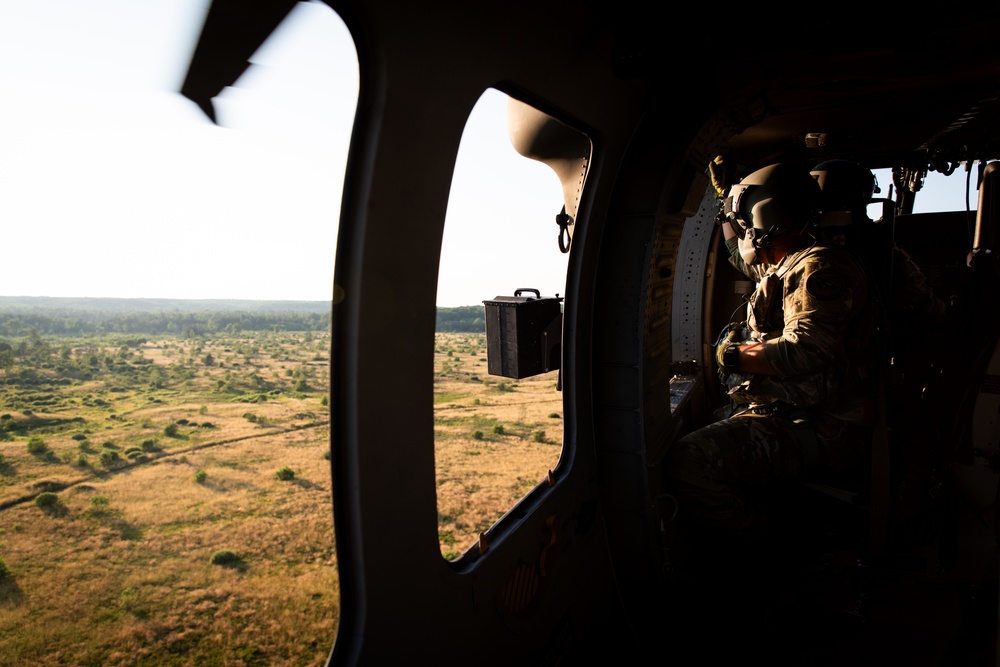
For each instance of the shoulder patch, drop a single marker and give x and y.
(826, 284)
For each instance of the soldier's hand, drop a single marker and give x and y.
(731, 338)
(722, 177)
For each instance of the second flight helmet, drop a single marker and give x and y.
(770, 210)
(846, 185)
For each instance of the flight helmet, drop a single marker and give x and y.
(771, 208)
(846, 186)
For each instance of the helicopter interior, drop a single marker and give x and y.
(630, 108)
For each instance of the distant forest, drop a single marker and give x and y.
(19, 316)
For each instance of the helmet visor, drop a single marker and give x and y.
(738, 208)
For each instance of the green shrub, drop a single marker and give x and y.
(79, 436)
(149, 446)
(109, 457)
(498, 429)
(36, 445)
(200, 476)
(4, 571)
(225, 557)
(477, 435)
(285, 474)
(170, 430)
(46, 499)
(99, 504)
(538, 436)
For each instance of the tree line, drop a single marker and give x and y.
(19, 322)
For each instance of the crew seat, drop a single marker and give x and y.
(936, 371)
(913, 324)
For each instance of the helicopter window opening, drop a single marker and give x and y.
(939, 192)
(178, 413)
(496, 438)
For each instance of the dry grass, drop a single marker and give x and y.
(495, 439)
(136, 578)
(119, 571)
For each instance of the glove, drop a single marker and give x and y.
(722, 176)
(730, 338)
(727, 355)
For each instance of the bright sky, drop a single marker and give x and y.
(113, 185)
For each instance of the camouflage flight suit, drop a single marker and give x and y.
(814, 313)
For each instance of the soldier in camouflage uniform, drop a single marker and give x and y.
(800, 370)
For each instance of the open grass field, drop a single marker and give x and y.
(495, 438)
(168, 502)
